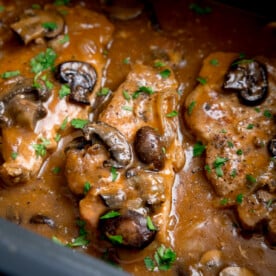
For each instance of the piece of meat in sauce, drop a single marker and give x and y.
(237, 135)
(133, 153)
(25, 143)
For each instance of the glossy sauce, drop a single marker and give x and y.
(196, 224)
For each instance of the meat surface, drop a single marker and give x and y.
(239, 164)
(84, 40)
(144, 99)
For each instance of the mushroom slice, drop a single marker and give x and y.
(42, 219)
(81, 77)
(113, 139)
(36, 24)
(249, 78)
(148, 147)
(131, 228)
(20, 103)
(272, 147)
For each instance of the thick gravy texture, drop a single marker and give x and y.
(39, 189)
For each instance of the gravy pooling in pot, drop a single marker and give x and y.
(111, 46)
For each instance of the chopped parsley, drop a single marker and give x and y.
(81, 240)
(159, 64)
(115, 239)
(230, 144)
(103, 91)
(267, 114)
(239, 198)
(57, 137)
(44, 60)
(191, 107)
(110, 214)
(217, 164)
(65, 39)
(36, 6)
(224, 201)
(56, 170)
(126, 95)
(250, 178)
(257, 109)
(10, 74)
(163, 259)
(127, 108)
(114, 173)
(200, 10)
(233, 173)
(250, 126)
(172, 114)
(49, 25)
(41, 148)
(165, 73)
(269, 203)
(61, 2)
(150, 224)
(64, 124)
(214, 62)
(126, 60)
(86, 187)
(198, 149)
(14, 155)
(79, 123)
(149, 263)
(146, 89)
(201, 80)
(239, 152)
(207, 168)
(2, 8)
(64, 91)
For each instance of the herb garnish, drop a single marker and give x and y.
(150, 224)
(239, 152)
(115, 239)
(199, 9)
(49, 25)
(44, 60)
(172, 114)
(250, 126)
(36, 6)
(239, 198)
(250, 178)
(110, 214)
(65, 39)
(40, 149)
(191, 107)
(114, 174)
(56, 170)
(64, 91)
(14, 155)
(127, 108)
(86, 187)
(165, 73)
(103, 91)
(146, 89)
(10, 74)
(217, 164)
(198, 149)
(159, 64)
(214, 62)
(201, 80)
(267, 114)
(224, 201)
(126, 95)
(61, 2)
(79, 123)
(81, 240)
(163, 259)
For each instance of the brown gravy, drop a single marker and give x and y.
(196, 224)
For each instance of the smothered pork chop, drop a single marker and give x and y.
(231, 113)
(128, 160)
(54, 82)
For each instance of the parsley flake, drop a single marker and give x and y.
(174, 113)
(44, 60)
(86, 187)
(164, 257)
(191, 107)
(267, 114)
(61, 2)
(41, 149)
(49, 25)
(250, 178)
(224, 201)
(103, 91)
(201, 80)
(239, 198)
(56, 170)
(126, 95)
(214, 62)
(64, 91)
(165, 73)
(217, 164)
(127, 108)
(110, 214)
(146, 89)
(239, 152)
(114, 174)
(149, 263)
(115, 239)
(150, 224)
(10, 74)
(64, 124)
(159, 64)
(250, 126)
(14, 155)
(199, 9)
(198, 149)
(79, 123)
(65, 39)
